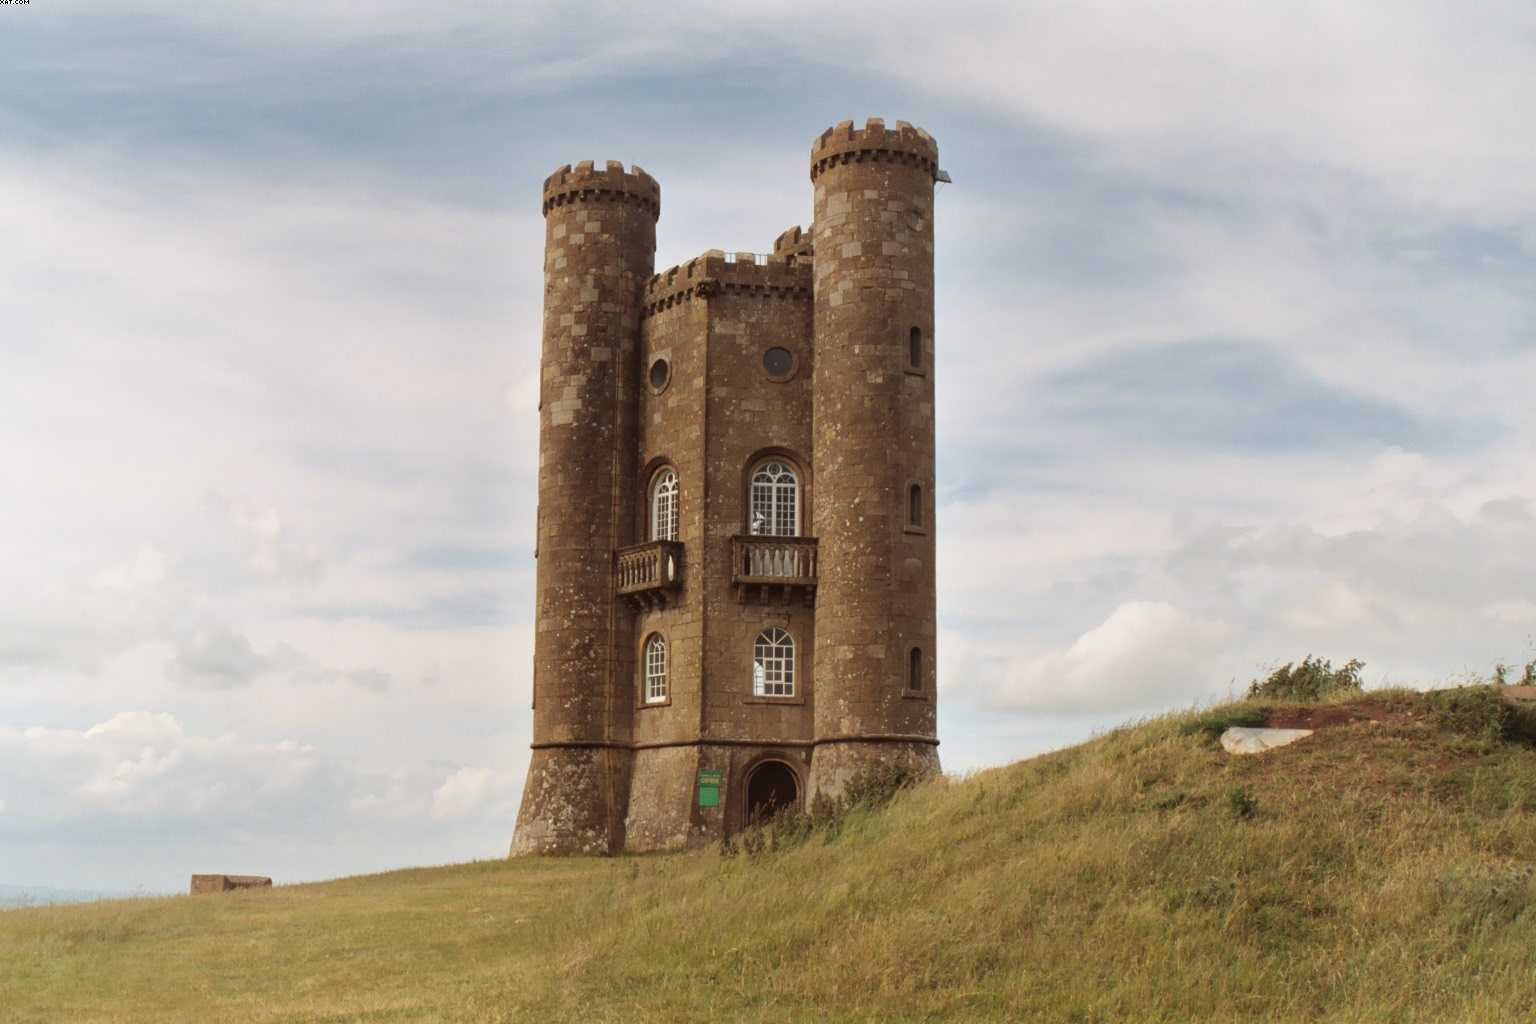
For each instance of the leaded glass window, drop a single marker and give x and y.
(664, 505)
(775, 510)
(773, 664)
(655, 669)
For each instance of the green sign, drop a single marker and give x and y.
(709, 786)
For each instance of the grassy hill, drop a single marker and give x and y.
(1381, 870)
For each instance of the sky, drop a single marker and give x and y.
(1235, 340)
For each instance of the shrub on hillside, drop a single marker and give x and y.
(1481, 713)
(1212, 724)
(1313, 679)
(1527, 676)
(875, 785)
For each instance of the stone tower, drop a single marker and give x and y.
(735, 587)
(873, 448)
(599, 252)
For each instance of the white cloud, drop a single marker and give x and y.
(215, 657)
(140, 769)
(467, 790)
(1409, 566)
(1145, 655)
(1420, 101)
(141, 778)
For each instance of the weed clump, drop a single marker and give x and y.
(1242, 803)
(876, 785)
(1212, 725)
(1312, 680)
(871, 788)
(1527, 675)
(1481, 713)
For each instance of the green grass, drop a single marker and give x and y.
(1375, 872)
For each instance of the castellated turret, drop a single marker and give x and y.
(873, 448)
(599, 250)
(735, 587)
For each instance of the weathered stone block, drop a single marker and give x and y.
(225, 883)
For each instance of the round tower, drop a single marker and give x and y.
(599, 251)
(873, 444)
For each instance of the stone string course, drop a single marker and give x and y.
(853, 417)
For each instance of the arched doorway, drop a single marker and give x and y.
(772, 787)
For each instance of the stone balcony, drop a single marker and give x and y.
(768, 570)
(648, 575)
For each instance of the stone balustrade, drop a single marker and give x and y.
(647, 573)
(766, 568)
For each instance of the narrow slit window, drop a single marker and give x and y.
(915, 670)
(915, 505)
(664, 505)
(655, 669)
(915, 349)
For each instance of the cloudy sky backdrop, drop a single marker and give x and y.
(1237, 339)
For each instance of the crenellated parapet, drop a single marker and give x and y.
(900, 144)
(773, 275)
(585, 184)
(795, 244)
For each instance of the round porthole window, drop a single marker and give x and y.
(779, 362)
(661, 372)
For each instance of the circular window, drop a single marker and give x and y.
(661, 372)
(779, 362)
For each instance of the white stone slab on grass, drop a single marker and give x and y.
(1240, 740)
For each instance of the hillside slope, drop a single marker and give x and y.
(1380, 870)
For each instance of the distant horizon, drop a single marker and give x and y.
(14, 897)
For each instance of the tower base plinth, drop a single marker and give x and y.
(567, 804)
(835, 765)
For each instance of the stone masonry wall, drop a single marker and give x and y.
(600, 245)
(753, 418)
(873, 437)
(671, 433)
(661, 806)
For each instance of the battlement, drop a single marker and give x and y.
(584, 183)
(777, 275)
(795, 244)
(903, 143)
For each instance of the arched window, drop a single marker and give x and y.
(773, 664)
(915, 669)
(915, 348)
(915, 506)
(775, 503)
(664, 511)
(655, 669)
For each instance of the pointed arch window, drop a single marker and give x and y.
(655, 669)
(773, 664)
(775, 501)
(664, 505)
